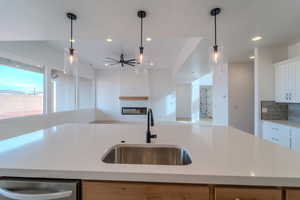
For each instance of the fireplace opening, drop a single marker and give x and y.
(134, 110)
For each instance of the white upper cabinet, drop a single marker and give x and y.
(287, 83)
(297, 81)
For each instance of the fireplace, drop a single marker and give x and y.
(134, 110)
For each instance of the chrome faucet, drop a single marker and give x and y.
(150, 122)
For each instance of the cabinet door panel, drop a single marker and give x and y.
(292, 82)
(292, 194)
(142, 191)
(281, 83)
(295, 139)
(297, 82)
(271, 132)
(235, 193)
(284, 136)
(278, 84)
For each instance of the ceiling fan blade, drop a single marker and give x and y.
(133, 59)
(112, 59)
(113, 64)
(130, 64)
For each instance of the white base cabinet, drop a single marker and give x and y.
(277, 133)
(295, 139)
(282, 134)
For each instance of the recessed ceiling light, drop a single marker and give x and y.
(252, 57)
(148, 39)
(108, 40)
(106, 64)
(151, 63)
(256, 38)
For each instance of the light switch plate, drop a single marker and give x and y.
(264, 110)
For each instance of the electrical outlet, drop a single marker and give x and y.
(264, 110)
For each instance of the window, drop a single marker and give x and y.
(21, 89)
(63, 91)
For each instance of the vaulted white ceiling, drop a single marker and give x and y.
(161, 53)
(276, 20)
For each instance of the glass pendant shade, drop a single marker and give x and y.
(216, 56)
(70, 62)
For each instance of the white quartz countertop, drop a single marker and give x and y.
(220, 155)
(285, 122)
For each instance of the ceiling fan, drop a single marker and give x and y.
(112, 61)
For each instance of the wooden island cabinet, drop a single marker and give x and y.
(101, 190)
(142, 191)
(292, 194)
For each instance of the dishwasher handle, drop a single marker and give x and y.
(48, 196)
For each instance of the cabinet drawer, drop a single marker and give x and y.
(292, 194)
(142, 191)
(236, 193)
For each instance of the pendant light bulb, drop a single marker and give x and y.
(141, 58)
(71, 59)
(216, 54)
(71, 56)
(141, 55)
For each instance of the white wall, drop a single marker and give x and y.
(161, 91)
(264, 75)
(162, 94)
(108, 92)
(21, 125)
(183, 101)
(294, 50)
(220, 95)
(241, 96)
(134, 83)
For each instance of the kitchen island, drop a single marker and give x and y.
(220, 156)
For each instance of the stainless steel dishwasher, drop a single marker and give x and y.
(38, 189)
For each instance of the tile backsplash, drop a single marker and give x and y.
(271, 110)
(294, 112)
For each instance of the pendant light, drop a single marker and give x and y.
(216, 54)
(141, 14)
(70, 54)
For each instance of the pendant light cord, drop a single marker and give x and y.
(71, 40)
(141, 32)
(215, 30)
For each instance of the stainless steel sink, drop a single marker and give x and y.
(148, 154)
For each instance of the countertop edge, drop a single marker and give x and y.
(155, 178)
(284, 123)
